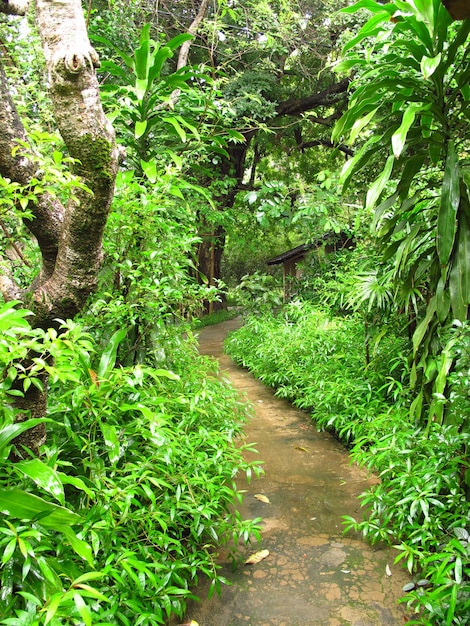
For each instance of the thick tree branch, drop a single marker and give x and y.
(89, 137)
(327, 97)
(192, 30)
(327, 144)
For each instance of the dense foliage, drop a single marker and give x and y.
(133, 491)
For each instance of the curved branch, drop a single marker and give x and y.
(327, 144)
(192, 30)
(327, 97)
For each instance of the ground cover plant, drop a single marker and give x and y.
(318, 361)
(133, 491)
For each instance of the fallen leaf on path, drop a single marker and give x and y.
(301, 448)
(388, 571)
(261, 498)
(257, 557)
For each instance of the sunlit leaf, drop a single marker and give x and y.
(262, 498)
(44, 476)
(257, 557)
(378, 185)
(429, 65)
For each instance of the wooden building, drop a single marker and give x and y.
(291, 259)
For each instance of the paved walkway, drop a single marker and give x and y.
(314, 574)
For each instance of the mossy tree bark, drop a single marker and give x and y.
(69, 236)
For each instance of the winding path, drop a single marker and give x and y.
(314, 574)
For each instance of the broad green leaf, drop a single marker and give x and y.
(140, 128)
(442, 296)
(176, 125)
(83, 609)
(399, 137)
(429, 65)
(422, 327)
(82, 548)
(158, 60)
(141, 86)
(44, 476)
(450, 197)
(370, 29)
(150, 170)
(360, 124)
(189, 126)
(78, 483)
(13, 430)
(370, 5)
(111, 441)
(379, 184)
(129, 61)
(459, 281)
(108, 358)
(26, 506)
(177, 41)
(142, 54)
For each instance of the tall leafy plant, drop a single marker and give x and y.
(408, 114)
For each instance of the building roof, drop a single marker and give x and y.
(340, 240)
(299, 251)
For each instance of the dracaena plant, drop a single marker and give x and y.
(408, 119)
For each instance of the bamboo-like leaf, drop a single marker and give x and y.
(111, 441)
(450, 197)
(82, 548)
(23, 505)
(399, 137)
(422, 327)
(359, 125)
(140, 128)
(176, 125)
(108, 358)
(82, 608)
(429, 65)
(44, 476)
(379, 184)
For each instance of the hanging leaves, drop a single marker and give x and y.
(450, 197)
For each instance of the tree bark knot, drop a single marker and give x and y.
(75, 63)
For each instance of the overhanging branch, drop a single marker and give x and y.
(327, 97)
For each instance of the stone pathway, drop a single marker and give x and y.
(314, 574)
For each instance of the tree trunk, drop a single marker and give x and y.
(69, 236)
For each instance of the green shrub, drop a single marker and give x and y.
(134, 489)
